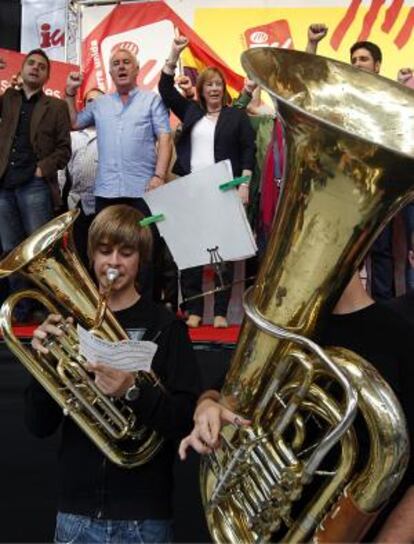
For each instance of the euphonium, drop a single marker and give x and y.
(49, 259)
(296, 473)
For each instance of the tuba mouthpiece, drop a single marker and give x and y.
(112, 274)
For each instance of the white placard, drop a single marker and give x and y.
(43, 25)
(128, 355)
(151, 44)
(199, 216)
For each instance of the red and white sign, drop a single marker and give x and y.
(146, 44)
(59, 71)
(147, 29)
(43, 25)
(275, 34)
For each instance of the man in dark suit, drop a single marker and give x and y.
(35, 144)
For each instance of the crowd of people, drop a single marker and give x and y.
(101, 160)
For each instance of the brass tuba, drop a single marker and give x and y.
(296, 475)
(49, 259)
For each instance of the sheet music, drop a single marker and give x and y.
(128, 355)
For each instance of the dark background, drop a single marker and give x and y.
(10, 22)
(28, 465)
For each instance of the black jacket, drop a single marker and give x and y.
(233, 138)
(89, 484)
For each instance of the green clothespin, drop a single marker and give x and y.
(151, 219)
(234, 183)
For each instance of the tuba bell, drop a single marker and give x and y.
(296, 475)
(49, 259)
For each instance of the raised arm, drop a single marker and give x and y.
(404, 75)
(73, 82)
(169, 94)
(316, 33)
(184, 83)
(246, 95)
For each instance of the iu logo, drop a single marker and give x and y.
(275, 34)
(51, 38)
(130, 46)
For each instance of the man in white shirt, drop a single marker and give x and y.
(80, 177)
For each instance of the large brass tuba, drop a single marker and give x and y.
(49, 259)
(296, 474)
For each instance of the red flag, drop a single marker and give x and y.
(147, 29)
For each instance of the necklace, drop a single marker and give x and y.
(216, 112)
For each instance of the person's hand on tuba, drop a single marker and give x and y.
(209, 418)
(111, 381)
(52, 326)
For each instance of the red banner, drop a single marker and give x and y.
(59, 71)
(147, 29)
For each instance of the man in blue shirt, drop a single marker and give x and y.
(134, 143)
(134, 140)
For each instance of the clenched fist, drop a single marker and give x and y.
(73, 82)
(179, 44)
(316, 32)
(404, 75)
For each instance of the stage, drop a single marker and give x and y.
(28, 465)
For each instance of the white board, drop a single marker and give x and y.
(199, 216)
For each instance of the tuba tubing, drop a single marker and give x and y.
(349, 139)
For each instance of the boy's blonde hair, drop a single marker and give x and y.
(119, 226)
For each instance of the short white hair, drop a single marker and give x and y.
(128, 52)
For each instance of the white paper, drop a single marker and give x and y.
(128, 355)
(199, 216)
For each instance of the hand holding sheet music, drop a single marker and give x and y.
(128, 355)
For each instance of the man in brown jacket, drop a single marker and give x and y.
(35, 144)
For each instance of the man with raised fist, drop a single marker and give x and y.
(134, 140)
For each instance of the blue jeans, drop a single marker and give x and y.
(22, 211)
(82, 530)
